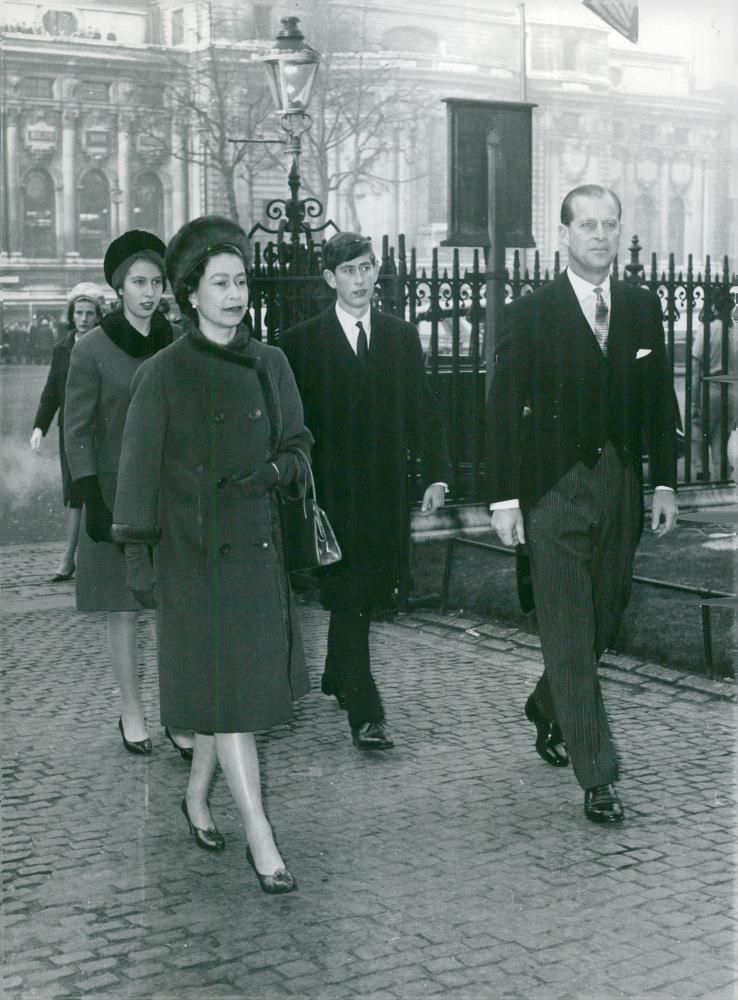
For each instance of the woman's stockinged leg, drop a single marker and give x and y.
(239, 760)
(202, 770)
(122, 642)
(68, 559)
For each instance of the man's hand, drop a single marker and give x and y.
(433, 498)
(35, 441)
(664, 510)
(508, 523)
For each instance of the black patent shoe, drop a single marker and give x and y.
(549, 741)
(209, 840)
(333, 690)
(135, 746)
(602, 805)
(371, 736)
(185, 752)
(276, 884)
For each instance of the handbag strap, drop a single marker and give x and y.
(309, 479)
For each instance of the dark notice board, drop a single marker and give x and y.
(468, 125)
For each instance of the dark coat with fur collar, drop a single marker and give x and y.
(98, 391)
(230, 653)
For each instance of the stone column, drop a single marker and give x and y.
(13, 191)
(124, 178)
(663, 248)
(69, 182)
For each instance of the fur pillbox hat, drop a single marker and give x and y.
(128, 248)
(198, 240)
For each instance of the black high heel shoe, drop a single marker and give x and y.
(276, 884)
(63, 577)
(209, 840)
(549, 736)
(135, 746)
(184, 752)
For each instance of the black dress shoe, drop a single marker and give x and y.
(185, 752)
(210, 840)
(275, 884)
(602, 805)
(549, 739)
(135, 746)
(371, 736)
(63, 577)
(333, 690)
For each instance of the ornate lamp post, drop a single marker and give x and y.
(291, 67)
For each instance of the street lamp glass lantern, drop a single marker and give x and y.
(291, 66)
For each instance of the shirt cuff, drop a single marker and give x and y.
(504, 505)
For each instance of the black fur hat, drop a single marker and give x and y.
(199, 239)
(130, 247)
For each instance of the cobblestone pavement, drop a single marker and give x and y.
(457, 865)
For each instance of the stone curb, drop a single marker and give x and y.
(498, 637)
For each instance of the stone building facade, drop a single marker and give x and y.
(77, 169)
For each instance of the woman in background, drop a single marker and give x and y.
(84, 311)
(212, 435)
(97, 397)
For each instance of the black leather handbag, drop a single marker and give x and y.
(309, 539)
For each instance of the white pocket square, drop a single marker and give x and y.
(642, 352)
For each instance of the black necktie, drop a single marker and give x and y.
(362, 344)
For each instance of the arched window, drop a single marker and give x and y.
(148, 203)
(676, 231)
(94, 214)
(39, 232)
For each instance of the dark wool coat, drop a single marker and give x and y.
(230, 653)
(51, 402)
(363, 423)
(548, 361)
(98, 393)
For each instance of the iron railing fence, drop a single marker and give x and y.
(448, 303)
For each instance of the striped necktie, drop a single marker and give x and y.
(362, 344)
(602, 317)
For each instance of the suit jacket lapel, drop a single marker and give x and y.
(342, 352)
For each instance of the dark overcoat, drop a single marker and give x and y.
(556, 400)
(98, 393)
(51, 403)
(230, 653)
(364, 421)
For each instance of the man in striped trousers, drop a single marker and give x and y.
(581, 381)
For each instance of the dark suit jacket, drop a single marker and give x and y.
(549, 362)
(363, 423)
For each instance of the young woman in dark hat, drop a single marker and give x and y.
(97, 397)
(212, 435)
(84, 311)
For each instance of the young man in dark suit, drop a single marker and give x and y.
(367, 401)
(581, 381)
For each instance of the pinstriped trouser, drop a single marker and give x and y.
(581, 537)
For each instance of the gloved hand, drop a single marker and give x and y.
(260, 480)
(140, 578)
(98, 517)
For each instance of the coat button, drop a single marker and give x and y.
(262, 544)
(222, 483)
(218, 417)
(224, 549)
(599, 451)
(255, 414)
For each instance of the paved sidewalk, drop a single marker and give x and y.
(457, 865)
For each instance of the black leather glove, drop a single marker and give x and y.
(260, 480)
(98, 517)
(140, 577)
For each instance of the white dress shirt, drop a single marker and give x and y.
(348, 325)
